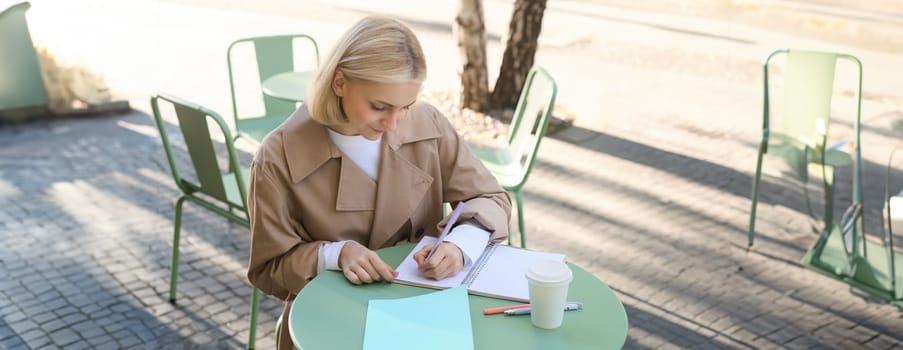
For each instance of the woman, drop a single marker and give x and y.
(363, 166)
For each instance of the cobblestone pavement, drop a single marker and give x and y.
(649, 191)
(87, 232)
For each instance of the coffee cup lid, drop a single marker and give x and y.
(549, 271)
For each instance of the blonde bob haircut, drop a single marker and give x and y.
(376, 49)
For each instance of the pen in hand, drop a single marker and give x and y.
(451, 222)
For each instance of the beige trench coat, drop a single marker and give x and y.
(303, 191)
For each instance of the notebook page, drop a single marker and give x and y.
(504, 273)
(408, 274)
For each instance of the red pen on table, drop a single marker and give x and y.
(502, 309)
(571, 305)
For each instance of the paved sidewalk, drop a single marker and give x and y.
(649, 191)
(87, 231)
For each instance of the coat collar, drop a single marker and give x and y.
(402, 184)
(301, 131)
(400, 190)
(418, 126)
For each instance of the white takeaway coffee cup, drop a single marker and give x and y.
(548, 282)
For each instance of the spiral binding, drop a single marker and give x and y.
(478, 266)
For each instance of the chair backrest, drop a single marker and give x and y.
(807, 90)
(531, 118)
(274, 55)
(21, 85)
(196, 131)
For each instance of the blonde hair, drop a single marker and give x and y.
(376, 49)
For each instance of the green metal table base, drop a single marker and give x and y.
(871, 273)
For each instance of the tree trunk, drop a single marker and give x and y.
(523, 32)
(471, 34)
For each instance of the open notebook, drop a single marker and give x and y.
(498, 273)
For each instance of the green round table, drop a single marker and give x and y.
(288, 86)
(330, 313)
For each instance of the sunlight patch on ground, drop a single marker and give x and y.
(9, 190)
(90, 205)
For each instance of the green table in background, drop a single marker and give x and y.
(330, 313)
(288, 86)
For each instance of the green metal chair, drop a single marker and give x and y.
(800, 138)
(216, 190)
(842, 252)
(274, 55)
(511, 165)
(22, 92)
(886, 269)
(278, 328)
(800, 135)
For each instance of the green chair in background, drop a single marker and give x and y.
(274, 55)
(847, 253)
(221, 192)
(888, 269)
(800, 137)
(511, 165)
(22, 92)
(278, 328)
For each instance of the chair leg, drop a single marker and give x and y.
(174, 267)
(755, 198)
(520, 218)
(278, 328)
(828, 181)
(252, 333)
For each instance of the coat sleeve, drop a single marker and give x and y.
(465, 178)
(283, 257)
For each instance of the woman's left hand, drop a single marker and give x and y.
(445, 262)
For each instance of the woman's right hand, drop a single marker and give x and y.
(362, 265)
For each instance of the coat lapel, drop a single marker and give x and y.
(357, 191)
(400, 190)
(401, 186)
(299, 132)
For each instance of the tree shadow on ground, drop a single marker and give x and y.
(102, 187)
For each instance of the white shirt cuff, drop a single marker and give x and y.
(328, 256)
(472, 240)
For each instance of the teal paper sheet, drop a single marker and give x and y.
(435, 321)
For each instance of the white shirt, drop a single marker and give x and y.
(364, 153)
